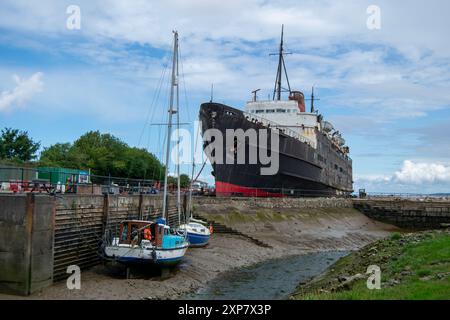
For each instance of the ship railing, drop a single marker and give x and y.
(341, 152)
(280, 192)
(413, 196)
(281, 128)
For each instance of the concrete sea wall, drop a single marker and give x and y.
(249, 205)
(411, 214)
(26, 243)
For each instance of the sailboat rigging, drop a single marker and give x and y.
(147, 242)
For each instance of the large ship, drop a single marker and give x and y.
(313, 159)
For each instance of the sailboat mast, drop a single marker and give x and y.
(171, 112)
(178, 146)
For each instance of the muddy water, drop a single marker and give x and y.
(273, 279)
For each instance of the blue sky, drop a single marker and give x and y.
(387, 90)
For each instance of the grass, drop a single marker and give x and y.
(396, 236)
(414, 267)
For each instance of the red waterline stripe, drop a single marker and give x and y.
(224, 189)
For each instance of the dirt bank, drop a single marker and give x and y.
(288, 232)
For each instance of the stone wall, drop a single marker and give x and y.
(223, 205)
(413, 214)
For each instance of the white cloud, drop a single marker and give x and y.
(221, 42)
(420, 173)
(412, 177)
(374, 178)
(25, 89)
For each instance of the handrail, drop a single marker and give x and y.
(284, 130)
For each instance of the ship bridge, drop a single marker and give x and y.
(286, 115)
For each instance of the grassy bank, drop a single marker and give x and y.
(413, 266)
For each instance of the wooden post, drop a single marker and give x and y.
(141, 205)
(29, 227)
(105, 212)
(185, 204)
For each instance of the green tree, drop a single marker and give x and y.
(105, 155)
(17, 145)
(184, 180)
(57, 155)
(142, 164)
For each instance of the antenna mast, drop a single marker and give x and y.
(313, 98)
(281, 66)
(212, 92)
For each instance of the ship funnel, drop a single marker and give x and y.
(300, 98)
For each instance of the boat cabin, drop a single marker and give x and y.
(134, 232)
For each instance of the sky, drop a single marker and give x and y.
(386, 89)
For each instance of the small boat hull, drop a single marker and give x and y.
(138, 255)
(197, 240)
(197, 234)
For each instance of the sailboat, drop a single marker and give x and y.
(198, 234)
(196, 231)
(147, 242)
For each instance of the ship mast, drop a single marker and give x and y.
(281, 67)
(313, 99)
(171, 111)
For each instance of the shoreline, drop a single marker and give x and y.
(295, 234)
(412, 265)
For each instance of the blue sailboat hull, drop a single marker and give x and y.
(197, 240)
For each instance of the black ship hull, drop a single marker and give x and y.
(302, 171)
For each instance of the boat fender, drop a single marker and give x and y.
(147, 234)
(154, 255)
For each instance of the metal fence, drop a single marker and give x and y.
(41, 180)
(20, 180)
(263, 192)
(411, 196)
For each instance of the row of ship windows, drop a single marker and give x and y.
(336, 167)
(274, 111)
